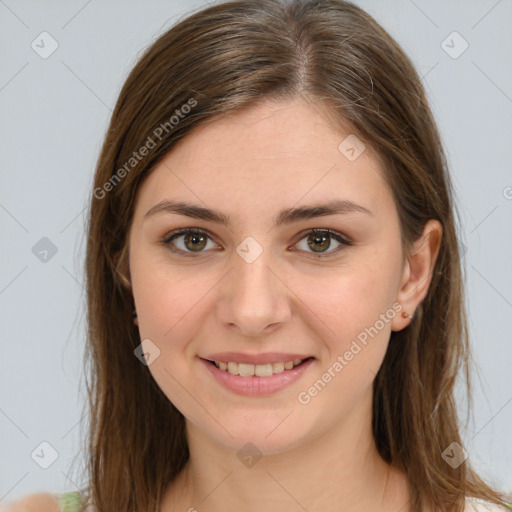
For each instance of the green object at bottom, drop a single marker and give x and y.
(70, 501)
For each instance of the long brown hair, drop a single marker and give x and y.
(217, 61)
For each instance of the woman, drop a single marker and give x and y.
(275, 297)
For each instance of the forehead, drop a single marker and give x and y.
(271, 154)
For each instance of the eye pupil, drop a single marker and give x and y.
(317, 239)
(194, 237)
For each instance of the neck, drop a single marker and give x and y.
(339, 469)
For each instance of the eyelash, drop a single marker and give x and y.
(166, 241)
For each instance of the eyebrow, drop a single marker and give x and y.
(286, 216)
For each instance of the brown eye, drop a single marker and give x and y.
(319, 243)
(194, 242)
(320, 240)
(187, 241)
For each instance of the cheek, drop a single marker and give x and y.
(168, 304)
(355, 304)
(357, 309)
(349, 300)
(168, 307)
(164, 295)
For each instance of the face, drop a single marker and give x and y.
(262, 285)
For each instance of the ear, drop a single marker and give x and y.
(122, 271)
(417, 272)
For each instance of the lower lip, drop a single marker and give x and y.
(257, 386)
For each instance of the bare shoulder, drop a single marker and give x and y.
(37, 502)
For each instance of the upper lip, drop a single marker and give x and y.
(269, 357)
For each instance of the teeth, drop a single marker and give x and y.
(260, 370)
(263, 370)
(245, 370)
(277, 367)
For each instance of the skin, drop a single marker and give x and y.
(319, 456)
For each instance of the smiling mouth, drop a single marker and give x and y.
(257, 370)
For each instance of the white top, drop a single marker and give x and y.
(478, 505)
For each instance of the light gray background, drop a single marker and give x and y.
(54, 113)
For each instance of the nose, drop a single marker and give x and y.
(254, 299)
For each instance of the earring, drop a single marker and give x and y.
(406, 315)
(134, 313)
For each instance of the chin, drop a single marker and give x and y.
(265, 434)
(253, 442)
